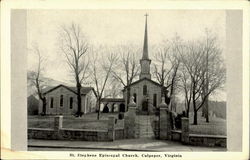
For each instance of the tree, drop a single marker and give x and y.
(160, 71)
(200, 53)
(74, 46)
(101, 71)
(166, 67)
(36, 79)
(127, 68)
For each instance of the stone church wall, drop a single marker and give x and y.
(138, 89)
(65, 109)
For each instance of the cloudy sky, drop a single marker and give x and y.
(115, 27)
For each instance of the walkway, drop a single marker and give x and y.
(142, 144)
(145, 127)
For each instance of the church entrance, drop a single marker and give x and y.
(145, 106)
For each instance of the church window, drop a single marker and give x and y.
(51, 102)
(71, 102)
(145, 90)
(155, 100)
(61, 100)
(135, 97)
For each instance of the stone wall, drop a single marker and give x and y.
(207, 140)
(185, 137)
(176, 135)
(165, 124)
(137, 88)
(156, 128)
(67, 134)
(88, 102)
(57, 109)
(114, 131)
(130, 125)
(119, 134)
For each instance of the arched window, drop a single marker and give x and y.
(134, 97)
(145, 90)
(61, 100)
(51, 102)
(155, 100)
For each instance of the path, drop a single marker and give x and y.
(142, 144)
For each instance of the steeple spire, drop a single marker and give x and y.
(145, 61)
(145, 45)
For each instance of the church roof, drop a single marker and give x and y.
(138, 81)
(84, 90)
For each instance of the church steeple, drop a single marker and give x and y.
(145, 61)
(145, 45)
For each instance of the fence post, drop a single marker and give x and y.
(111, 128)
(163, 119)
(165, 126)
(129, 122)
(58, 122)
(185, 130)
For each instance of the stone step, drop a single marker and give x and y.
(144, 124)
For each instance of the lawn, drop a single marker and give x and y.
(88, 121)
(216, 126)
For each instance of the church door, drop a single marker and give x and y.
(145, 106)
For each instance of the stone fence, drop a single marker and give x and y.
(114, 131)
(185, 137)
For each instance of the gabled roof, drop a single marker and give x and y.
(138, 81)
(84, 90)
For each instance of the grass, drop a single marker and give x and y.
(216, 126)
(88, 121)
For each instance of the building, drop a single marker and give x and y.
(146, 92)
(63, 100)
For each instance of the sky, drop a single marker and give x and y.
(115, 27)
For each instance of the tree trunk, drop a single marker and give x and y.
(207, 111)
(195, 117)
(203, 111)
(79, 101)
(162, 91)
(99, 108)
(195, 110)
(187, 112)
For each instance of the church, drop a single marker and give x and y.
(146, 92)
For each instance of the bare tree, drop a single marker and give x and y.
(113, 90)
(186, 86)
(74, 46)
(196, 56)
(36, 79)
(160, 70)
(213, 64)
(127, 68)
(166, 67)
(101, 72)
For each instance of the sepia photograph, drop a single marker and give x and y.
(139, 80)
(122, 81)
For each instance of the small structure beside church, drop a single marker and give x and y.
(63, 100)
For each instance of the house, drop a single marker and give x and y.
(63, 100)
(146, 92)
